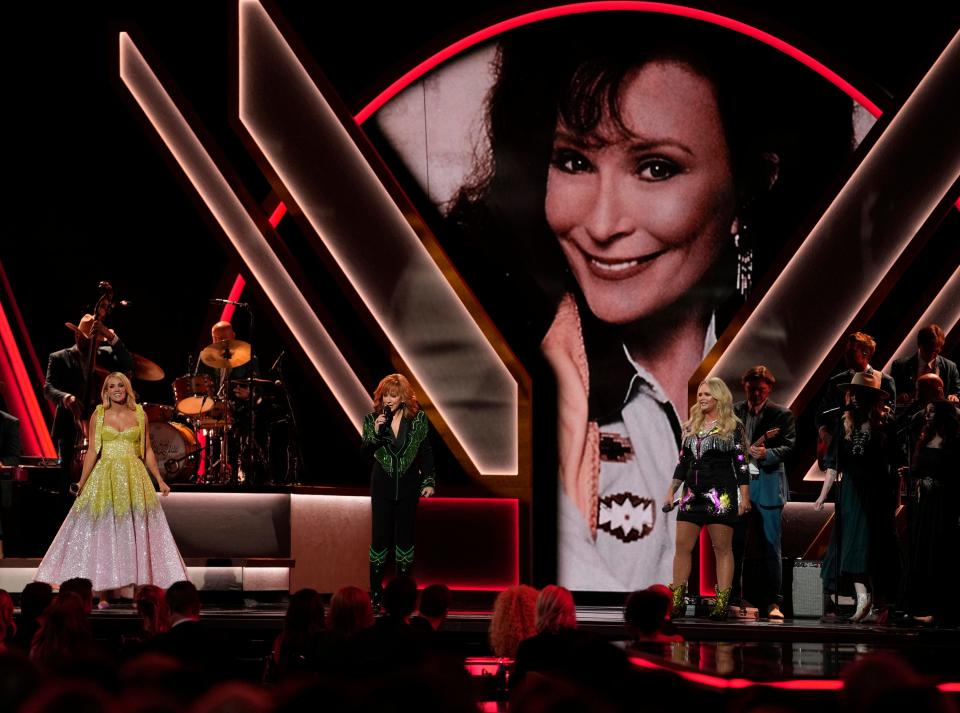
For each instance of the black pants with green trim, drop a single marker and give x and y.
(393, 529)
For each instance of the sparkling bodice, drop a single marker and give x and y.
(120, 444)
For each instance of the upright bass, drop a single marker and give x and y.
(84, 405)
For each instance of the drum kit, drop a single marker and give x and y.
(210, 435)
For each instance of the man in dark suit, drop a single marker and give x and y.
(926, 360)
(769, 489)
(188, 640)
(66, 382)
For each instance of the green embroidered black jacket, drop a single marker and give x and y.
(402, 466)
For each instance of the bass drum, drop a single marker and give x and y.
(175, 446)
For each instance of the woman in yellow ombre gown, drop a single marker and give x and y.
(116, 534)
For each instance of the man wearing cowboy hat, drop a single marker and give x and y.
(66, 380)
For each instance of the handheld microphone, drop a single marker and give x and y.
(672, 506)
(385, 426)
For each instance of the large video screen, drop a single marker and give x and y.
(617, 188)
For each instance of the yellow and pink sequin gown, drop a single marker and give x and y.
(115, 534)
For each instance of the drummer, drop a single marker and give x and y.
(223, 332)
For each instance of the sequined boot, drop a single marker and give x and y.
(678, 607)
(722, 603)
(378, 566)
(863, 606)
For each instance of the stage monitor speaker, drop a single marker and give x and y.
(807, 589)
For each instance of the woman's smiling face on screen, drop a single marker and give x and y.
(643, 215)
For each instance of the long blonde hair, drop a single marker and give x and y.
(131, 402)
(726, 420)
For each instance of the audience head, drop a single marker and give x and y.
(234, 697)
(884, 681)
(435, 602)
(64, 634)
(930, 341)
(151, 603)
(860, 349)
(513, 620)
(555, 609)
(646, 610)
(34, 599)
(305, 615)
(83, 588)
(757, 383)
(350, 611)
(183, 600)
(400, 597)
(929, 388)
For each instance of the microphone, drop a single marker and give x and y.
(217, 300)
(671, 506)
(385, 426)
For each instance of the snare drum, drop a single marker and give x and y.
(175, 447)
(193, 394)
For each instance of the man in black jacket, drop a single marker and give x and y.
(769, 489)
(66, 378)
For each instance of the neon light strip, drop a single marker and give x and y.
(239, 283)
(22, 327)
(242, 231)
(35, 438)
(827, 283)
(235, 292)
(373, 243)
(585, 7)
(798, 684)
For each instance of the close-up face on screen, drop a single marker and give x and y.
(623, 188)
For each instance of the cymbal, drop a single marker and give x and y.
(250, 380)
(226, 353)
(143, 369)
(146, 370)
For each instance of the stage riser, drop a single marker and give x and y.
(323, 540)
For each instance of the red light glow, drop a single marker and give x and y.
(22, 400)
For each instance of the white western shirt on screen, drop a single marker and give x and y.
(638, 454)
